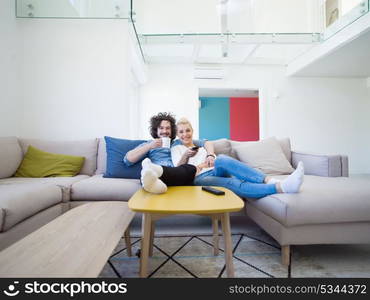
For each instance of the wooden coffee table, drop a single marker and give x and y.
(185, 200)
(76, 244)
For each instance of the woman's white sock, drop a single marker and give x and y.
(147, 164)
(273, 181)
(293, 182)
(151, 183)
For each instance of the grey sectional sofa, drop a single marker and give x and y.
(331, 208)
(26, 209)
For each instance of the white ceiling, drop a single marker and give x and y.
(280, 54)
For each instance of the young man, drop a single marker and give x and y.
(163, 125)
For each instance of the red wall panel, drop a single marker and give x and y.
(244, 119)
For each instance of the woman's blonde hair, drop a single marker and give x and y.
(184, 121)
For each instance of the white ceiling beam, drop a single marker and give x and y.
(196, 51)
(250, 54)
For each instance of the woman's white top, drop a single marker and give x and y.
(178, 151)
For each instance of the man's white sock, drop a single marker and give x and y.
(293, 182)
(151, 183)
(147, 164)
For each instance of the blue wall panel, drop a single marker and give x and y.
(214, 118)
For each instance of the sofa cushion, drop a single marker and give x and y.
(319, 164)
(286, 147)
(321, 200)
(116, 151)
(60, 181)
(222, 146)
(283, 142)
(21, 201)
(265, 155)
(86, 148)
(99, 188)
(101, 163)
(37, 163)
(10, 156)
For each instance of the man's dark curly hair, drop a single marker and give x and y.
(156, 120)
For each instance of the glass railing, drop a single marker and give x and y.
(221, 16)
(194, 26)
(95, 9)
(341, 13)
(80, 9)
(236, 18)
(225, 30)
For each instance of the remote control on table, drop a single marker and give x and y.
(213, 190)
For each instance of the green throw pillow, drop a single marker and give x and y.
(37, 163)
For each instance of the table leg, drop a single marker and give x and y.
(225, 221)
(145, 244)
(128, 241)
(151, 238)
(215, 235)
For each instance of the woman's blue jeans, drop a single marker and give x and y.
(236, 176)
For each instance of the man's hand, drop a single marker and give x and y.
(156, 143)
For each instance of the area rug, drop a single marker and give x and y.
(254, 256)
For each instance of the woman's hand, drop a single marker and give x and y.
(210, 160)
(185, 157)
(190, 153)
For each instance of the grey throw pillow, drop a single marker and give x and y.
(266, 156)
(222, 146)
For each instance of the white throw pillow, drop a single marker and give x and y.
(266, 156)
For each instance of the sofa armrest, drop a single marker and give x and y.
(322, 165)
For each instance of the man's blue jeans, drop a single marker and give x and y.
(236, 176)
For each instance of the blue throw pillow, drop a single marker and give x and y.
(116, 151)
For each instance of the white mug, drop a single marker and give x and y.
(166, 141)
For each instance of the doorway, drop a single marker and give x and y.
(229, 113)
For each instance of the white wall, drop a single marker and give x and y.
(322, 115)
(74, 78)
(9, 116)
